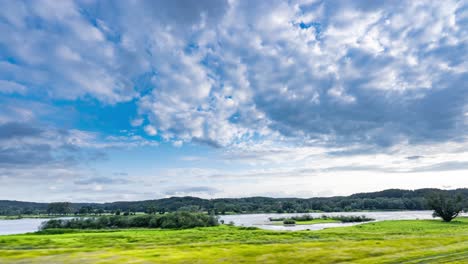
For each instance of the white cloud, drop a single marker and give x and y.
(10, 87)
(150, 130)
(137, 122)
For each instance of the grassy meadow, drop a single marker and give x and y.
(410, 241)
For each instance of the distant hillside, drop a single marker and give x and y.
(392, 199)
(398, 193)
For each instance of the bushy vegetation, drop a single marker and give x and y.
(60, 208)
(179, 220)
(392, 199)
(289, 222)
(445, 206)
(352, 219)
(340, 218)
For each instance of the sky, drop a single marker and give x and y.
(130, 100)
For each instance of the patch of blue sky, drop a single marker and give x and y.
(234, 118)
(317, 26)
(96, 116)
(191, 48)
(144, 83)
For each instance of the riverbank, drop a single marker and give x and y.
(376, 242)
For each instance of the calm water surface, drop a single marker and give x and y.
(21, 226)
(261, 220)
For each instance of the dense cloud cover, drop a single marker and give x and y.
(219, 72)
(350, 77)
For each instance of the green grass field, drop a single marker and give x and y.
(421, 241)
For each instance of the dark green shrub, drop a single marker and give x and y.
(341, 218)
(445, 206)
(352, 219)
(170, 220)
(154, 222)
(139, 221)
(249, 228)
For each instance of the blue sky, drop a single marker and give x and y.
(127, 100)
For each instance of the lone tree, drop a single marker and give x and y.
(445, 206)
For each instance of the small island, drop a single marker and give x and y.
(310, 220)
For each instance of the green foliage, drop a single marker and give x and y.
(179, 220)
(84, 210)
(289, 222)
(352, 218)
(392, 199)
(61, 208)
(151, 209)
(338, 218)
(445, 206)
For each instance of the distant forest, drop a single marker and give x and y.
(392, 199)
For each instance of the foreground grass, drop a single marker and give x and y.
(425, 241)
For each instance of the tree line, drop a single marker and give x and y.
(392, 199)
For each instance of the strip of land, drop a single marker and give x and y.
(308, 222)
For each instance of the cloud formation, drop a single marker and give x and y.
(328, 71)
(194, 191)
(227, 72)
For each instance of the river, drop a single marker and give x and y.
(20, 226)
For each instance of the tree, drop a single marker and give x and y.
(445, 206)
(151, 209)
(59, 208)
(220, 208)
(288, 207)
(85, 210)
